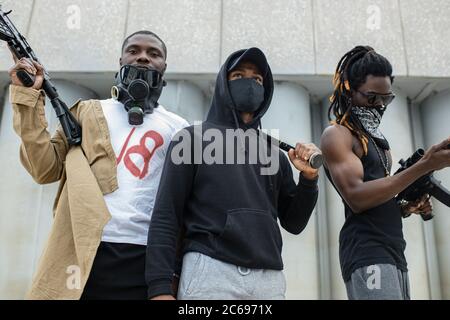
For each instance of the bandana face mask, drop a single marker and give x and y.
(370, 119)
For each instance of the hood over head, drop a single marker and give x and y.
(223, 110)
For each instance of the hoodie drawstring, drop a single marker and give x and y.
(236, 122)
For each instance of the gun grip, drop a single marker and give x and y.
(26, 78)
(426, 217)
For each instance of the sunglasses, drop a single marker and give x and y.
(373, 98)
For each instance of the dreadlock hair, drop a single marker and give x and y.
(351, 72)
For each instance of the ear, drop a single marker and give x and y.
(351, 94)
(120, 61)
(163, 73)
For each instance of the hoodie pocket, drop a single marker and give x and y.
(251, 236)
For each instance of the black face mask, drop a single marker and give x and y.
(139, 89)
(247, 94)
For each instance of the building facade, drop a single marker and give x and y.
(79, 42)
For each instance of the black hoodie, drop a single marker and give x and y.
(227, 211)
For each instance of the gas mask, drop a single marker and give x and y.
(139, 89)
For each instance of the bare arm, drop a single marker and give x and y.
(347, 172)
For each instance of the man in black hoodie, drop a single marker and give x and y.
(231, 244)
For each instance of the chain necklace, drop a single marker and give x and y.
(386, 165)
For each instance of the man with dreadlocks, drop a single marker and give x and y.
(358, 163)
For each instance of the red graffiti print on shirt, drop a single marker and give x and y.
(142, 150)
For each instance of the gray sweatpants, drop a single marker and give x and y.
(378, 282)
(205, 278)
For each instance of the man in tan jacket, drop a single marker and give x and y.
(107, 185)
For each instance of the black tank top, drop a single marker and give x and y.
(374, 236)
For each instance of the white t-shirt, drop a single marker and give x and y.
(140, 153)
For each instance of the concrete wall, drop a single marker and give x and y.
(435, 113)
(303, 40)
(299, 36)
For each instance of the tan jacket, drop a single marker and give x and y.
(85, 173)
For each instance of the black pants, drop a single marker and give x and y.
(117, 273)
